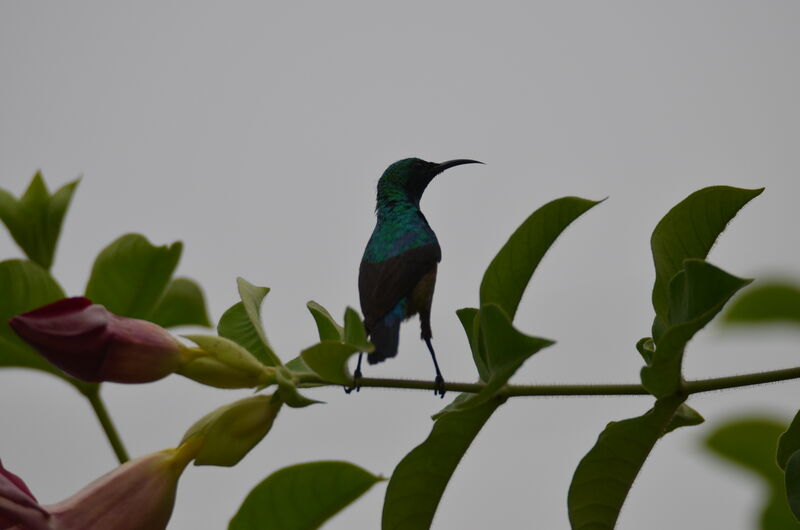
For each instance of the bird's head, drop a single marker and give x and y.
(408, 178)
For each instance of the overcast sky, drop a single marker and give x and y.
(255, 132)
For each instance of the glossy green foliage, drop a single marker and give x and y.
(750, 443)
(506, 349)
(605, 475)
(766, 303)
(183, 304)
(696, 294)
(130, 275)
(419, 480)
(508, 274)
(34, 220)
(227, 434)
(689, 230)
(302, 497)
(242, 323)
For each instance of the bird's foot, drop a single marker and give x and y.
(356, 382)
(438, 386)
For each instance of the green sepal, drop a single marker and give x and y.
(130, 275)
(604, 476)
(227, 434)
(689, 230)
(183, 304)
(697, 293)
(225, 364)
(34, 220)
(302, 496)
(287, 389)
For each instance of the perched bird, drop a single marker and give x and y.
(398, 270)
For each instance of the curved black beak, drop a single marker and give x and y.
(438, 168)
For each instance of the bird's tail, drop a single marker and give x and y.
(385, 335)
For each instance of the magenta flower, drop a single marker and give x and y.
(138, 495)
(89, 342)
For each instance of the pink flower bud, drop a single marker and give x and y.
(18, 507)
(90, 343)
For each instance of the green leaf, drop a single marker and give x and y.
(419, 480)
(252, 296)
(302, 497)
(697, 294)
(646, 348)
(793, 484)
(328, 359)
(789, 442)
(287, 389)
(469, 319)
(766, 303)
(750, 443)
(183, 304)
(506, 350)
(230, 432)
(130, 275)
(685, 416)
(236, 325)
(354, 332)
(689, 230)
(605, 475)
(510, 271)
(326, 326)
(34, 220)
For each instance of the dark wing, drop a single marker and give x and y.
(382, 285)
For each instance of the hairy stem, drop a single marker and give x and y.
(99, 407)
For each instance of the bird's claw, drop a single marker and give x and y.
(438, 386)
(356, 382)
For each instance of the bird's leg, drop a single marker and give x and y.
(438, 387)
(356, 376)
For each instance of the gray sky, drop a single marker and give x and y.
(255, 132)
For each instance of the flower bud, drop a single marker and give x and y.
(18, 506)
(90, 343)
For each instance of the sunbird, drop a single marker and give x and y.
(398, 271)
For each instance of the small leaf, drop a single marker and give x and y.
(646, 348)
(793, 484)
(230, 432)
(468, 317)
(287, 390)
(689, 230)
(237, 326)
(183, 304)
(697, 294)
(750, 443)
(354, 332)
(605, 475)
(302, 497)
(789, 442)
(34, 220)
(130, 275)
(685, 416)
(506, 350)
(766, 303)
(419, 480)
(510, 271)
(252, 296)
(326, 326)
(328, 359)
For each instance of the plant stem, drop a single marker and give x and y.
(690, 387)
(103, 417)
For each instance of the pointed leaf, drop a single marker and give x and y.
(605, 475)
(689, 230)
(328, 359)
(303, 496)
(252, 296)
(750, 443)
(326, 326)
(183, 304)
(130, 275)
(34, 220)
(236, 325)
(287, 389)
(685, 416)
(697, 294)
(506, 350)
(766, 303)
(510, 271)
(354, 332)
(789, 442)
(419, 480)
(468, 317)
